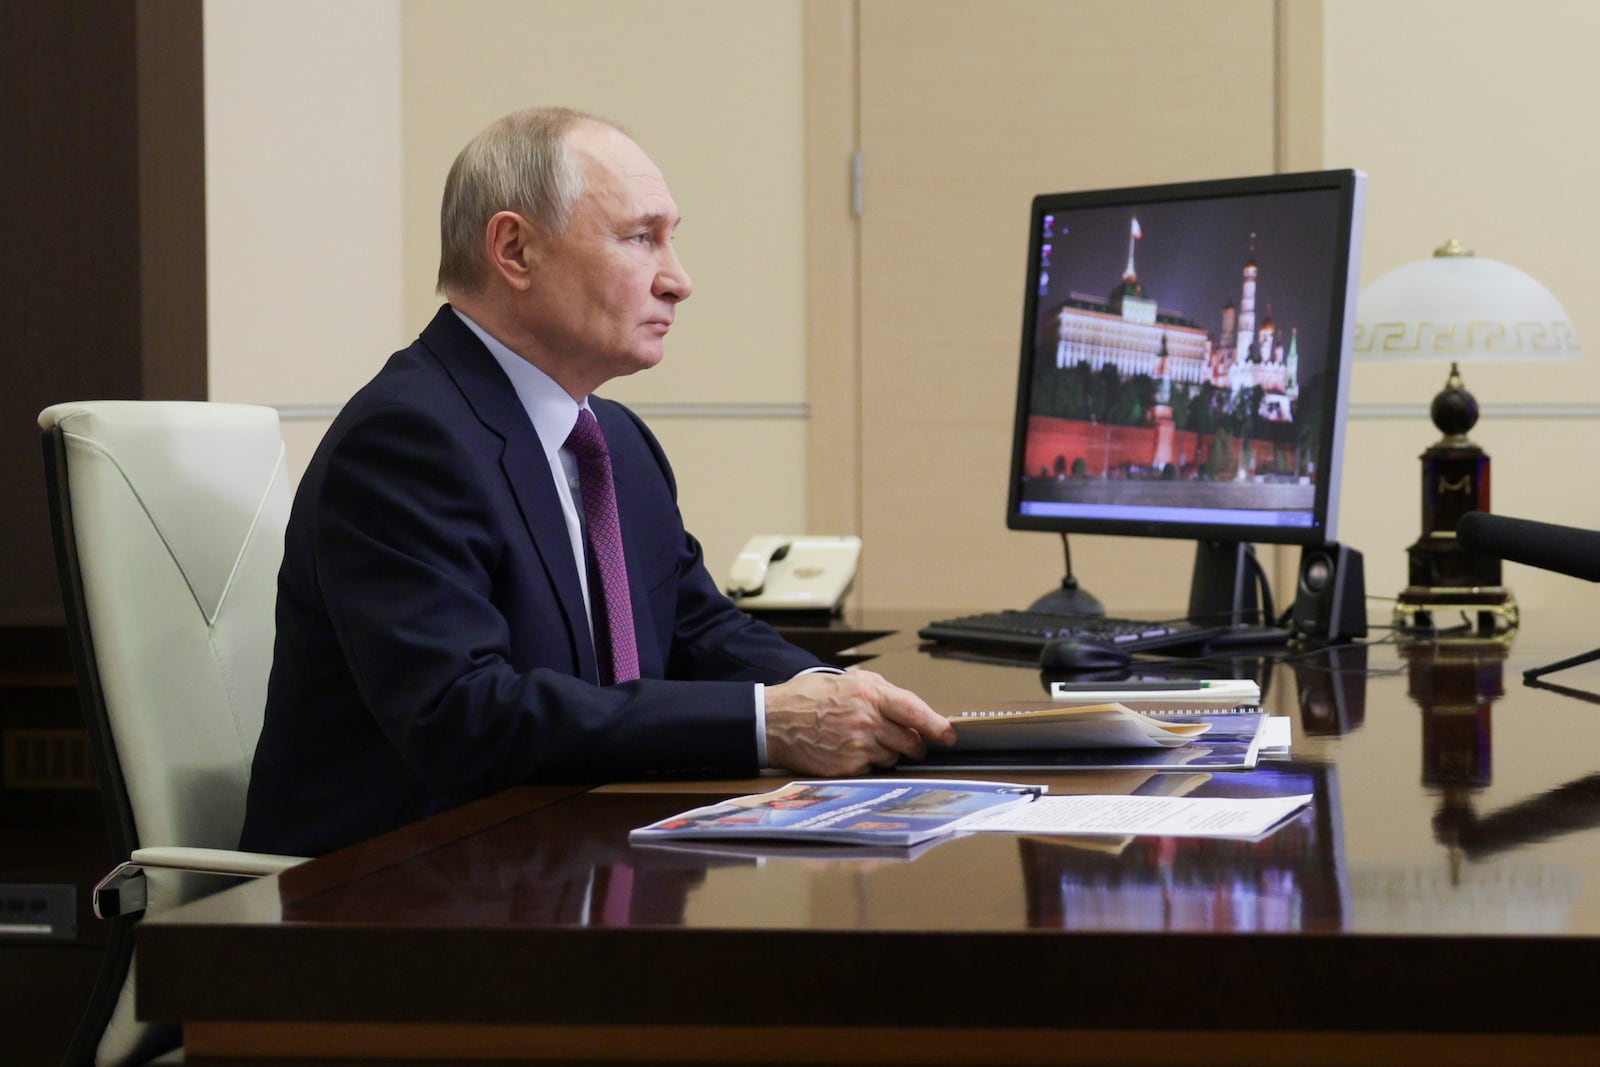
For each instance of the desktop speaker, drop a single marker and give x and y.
(1330, 601)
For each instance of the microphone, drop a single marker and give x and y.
(1563, 549)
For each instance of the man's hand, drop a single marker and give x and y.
(841, 724)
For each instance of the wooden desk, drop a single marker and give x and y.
(1440, 903)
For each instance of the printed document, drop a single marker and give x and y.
(1154, 816)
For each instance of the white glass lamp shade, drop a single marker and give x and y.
(1456, 306)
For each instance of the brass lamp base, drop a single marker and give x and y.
(1494, 607)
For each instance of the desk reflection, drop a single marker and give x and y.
(539, 870)
(1291, 881)
(1456, 684)
(1331, 689)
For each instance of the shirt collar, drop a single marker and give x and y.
(550, 408)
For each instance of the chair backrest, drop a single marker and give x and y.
(168, 521)
(175, 512)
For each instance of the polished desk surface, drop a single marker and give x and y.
(1445, 881)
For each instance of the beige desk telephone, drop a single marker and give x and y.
(802, 572)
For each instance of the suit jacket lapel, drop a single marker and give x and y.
(522, 460)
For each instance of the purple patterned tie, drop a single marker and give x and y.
(588, 444)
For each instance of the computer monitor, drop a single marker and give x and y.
(1185, 363)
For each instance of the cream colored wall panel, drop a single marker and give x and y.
(1474, 120)
(710, 88)
(1300, 84)
(833, 284)
(303, 227)
(300, 439)
(736, 477)
(968, 111)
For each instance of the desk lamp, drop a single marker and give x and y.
(1455, 307)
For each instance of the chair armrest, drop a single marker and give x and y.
(214, 860)
(123, 892)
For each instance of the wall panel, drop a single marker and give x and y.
(303, 180)
(712, 90)
(967, 111)
(1472, 120)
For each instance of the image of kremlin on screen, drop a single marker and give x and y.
(1197, 381)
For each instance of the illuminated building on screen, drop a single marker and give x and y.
(1129, 331)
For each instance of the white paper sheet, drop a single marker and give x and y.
(1276, 736)
(1155, 816)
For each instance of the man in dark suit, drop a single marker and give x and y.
(453, 613)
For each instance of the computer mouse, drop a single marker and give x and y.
(1078, 654)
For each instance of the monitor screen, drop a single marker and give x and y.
(1185, 359)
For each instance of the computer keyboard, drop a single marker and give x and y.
(1027, 632)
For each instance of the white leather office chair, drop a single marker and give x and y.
(168, 522)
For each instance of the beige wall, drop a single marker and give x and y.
(329, 128)
(303, 179)
(329, 131)
(713, 94)
(1471, 118)
(967, 112)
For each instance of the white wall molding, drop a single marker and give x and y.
(326, 412)
(312, 412)
(1485, 411)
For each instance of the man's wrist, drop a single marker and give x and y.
(761, 712)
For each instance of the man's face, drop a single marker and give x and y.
(605, 291)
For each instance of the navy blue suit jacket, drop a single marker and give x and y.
(432, 644)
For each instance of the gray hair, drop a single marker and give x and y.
(519, 163)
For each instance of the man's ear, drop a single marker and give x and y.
(509, 241)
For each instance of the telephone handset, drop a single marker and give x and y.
(781, 572)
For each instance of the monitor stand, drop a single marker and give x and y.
(1070, 598)
(1227, 587)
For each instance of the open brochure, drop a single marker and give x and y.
(904, 812)
(1053, 725)
(789, 850)
(1044, 724)
(1203, 755)
(1114, 715)
(900, 811)
(1227, 739)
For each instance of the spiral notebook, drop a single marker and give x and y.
(1208, 692)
